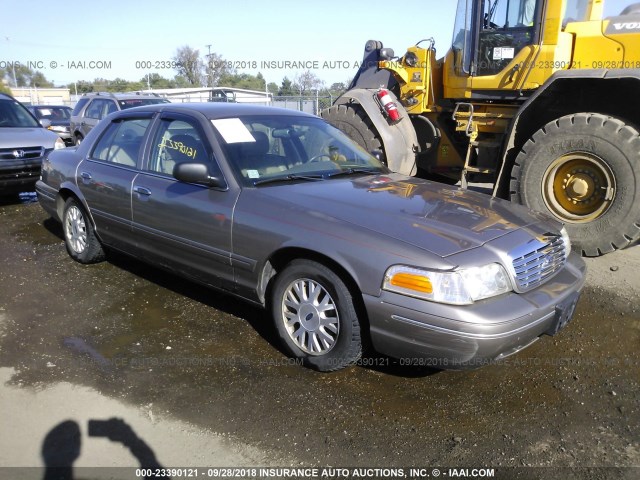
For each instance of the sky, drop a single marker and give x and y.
(129, 39)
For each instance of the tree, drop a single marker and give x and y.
(154, 80)
(39, 80)
(286, 88)
(24, 77)
(189, 65)
(272, 88)
(336, 89)
(216, 68)
(243, 80)
(81, 87)
(307, 82)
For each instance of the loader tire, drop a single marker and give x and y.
(584, 169)
(354, 123)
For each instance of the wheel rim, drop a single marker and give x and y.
(578, 187)
(310, 316)
(76, 229)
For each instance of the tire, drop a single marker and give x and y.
(325, 339)
(79, 236)
(353, 122)
(78, 139)
(583, 169)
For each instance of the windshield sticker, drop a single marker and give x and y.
(253, 174)
(503, 53)
(181, 147)
(233, 130)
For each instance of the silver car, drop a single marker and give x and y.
(23, 144)
(283, 210)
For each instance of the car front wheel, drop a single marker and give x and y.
(315, 316)
(79, 236)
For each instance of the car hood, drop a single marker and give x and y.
(435, 217)
(18, 137)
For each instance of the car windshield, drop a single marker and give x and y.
(52, 113)
(13, 114)
(263, 149)
(138, 102)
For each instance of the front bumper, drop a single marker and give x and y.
(457, 337)
(19, 175)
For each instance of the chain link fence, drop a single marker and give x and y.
(307, 104)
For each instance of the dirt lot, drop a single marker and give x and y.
(200, 380)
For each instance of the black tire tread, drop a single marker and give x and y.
(353, 350)
(624, 233)
(353, 121)
(94, 253)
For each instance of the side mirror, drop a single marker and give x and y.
(196, 173)
(45, 122)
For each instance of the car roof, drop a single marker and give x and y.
(213, 110)
(120, 96)
(49, 106)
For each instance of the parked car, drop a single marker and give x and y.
(23, 144)
(255, 201)
(55, 118)
(93, 107)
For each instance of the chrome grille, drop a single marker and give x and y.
(534, 267)
(21, 153)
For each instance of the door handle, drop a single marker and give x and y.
(142, 191)
(86, 177)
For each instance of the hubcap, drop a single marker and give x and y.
(578, 187)
(310, 316)
(75, 229)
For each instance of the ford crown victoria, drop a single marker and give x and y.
(283, 210)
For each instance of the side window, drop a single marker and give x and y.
(111, 107)
(81, 103)
(177, 141)
(121, 142)
(508, 26)
(94, 110)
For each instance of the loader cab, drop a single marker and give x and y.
(493, 41)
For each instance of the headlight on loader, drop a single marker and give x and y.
(459, 287)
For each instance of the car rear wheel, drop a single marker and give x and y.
(315, 316)
(79, 236)
(78, 139)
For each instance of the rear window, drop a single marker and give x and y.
(52, 113)
(81, 103)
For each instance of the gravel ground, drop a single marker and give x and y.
(200, 380)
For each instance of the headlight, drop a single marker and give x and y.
(59, 144)
(57, 128)
(567, 242)
(459, 287)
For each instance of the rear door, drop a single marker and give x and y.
(106, 176)
(186, 227)
(96, 111)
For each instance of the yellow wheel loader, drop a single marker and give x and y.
(539, 97)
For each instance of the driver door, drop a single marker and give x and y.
(183, 226)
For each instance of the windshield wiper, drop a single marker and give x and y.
(353, 171)
(288, 178)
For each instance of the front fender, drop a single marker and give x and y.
(400, 141)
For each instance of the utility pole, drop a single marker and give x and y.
(209, 67)
(13, 67)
